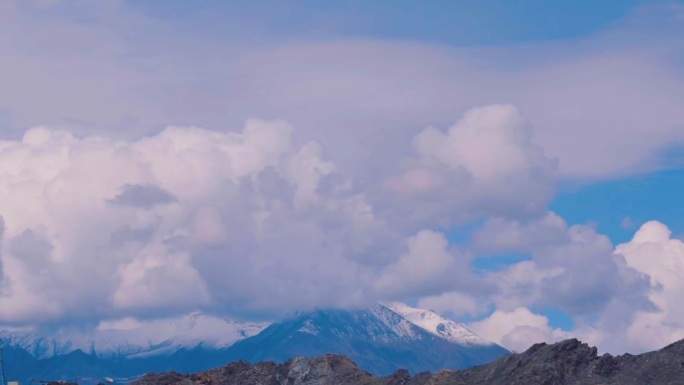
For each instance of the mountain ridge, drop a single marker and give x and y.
(563, 363)
(156, 337)
(437, 324)
(381, 338)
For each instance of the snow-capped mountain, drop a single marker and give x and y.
(439, 325)
(381, 339)
(130, 338)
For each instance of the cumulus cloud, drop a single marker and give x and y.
(654, 252)
(571, 267)
(249, 206)
(626, 326)
(500, 235)
(382, 91)
(489, 143)
(517, 329)
(428, 266)
(192, 218)
(621, 299)
(485, 164)
(107, 220)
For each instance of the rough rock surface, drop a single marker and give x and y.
(567, 362)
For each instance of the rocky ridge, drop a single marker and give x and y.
(563, 363)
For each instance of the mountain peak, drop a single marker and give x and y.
(438, 325)
(382, 340)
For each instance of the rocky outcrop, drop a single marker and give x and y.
(329, 369)
(573, 362)
(567, 362)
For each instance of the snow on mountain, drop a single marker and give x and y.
(439, 325)
(377, 323)
(131, 338)
(396, 322)
(380, 339)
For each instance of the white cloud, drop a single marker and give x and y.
(523, 283)
(621, 299)
(268, 201)
(159, 278)
(580, 102)
(489, 144)
(652, 251)
(517, 329)
(498, 234)
(362, 99)
(206, 216)
(191, 218)
(428, 266)
(458, 303)
(485, 164)
(571, 267)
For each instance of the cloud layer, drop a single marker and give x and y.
(362, 99)
(621, 299)
(249, 224)
(244, 222)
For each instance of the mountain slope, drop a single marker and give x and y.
(380, 339)
(439, 325)
(564, 363)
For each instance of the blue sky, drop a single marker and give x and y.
(619, 206)
(512, 164)
(466, 22)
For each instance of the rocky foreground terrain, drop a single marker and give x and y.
(567, 362)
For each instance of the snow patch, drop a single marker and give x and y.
(395, 322)
(309, 328)
(438, 325)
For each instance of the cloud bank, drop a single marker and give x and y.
(244, 222)
(621, 299)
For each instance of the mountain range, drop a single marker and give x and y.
(569, 362)
(132, 339)
(382, 339)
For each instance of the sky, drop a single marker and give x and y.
(517, 166)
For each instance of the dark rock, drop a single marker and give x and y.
(606, 366)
